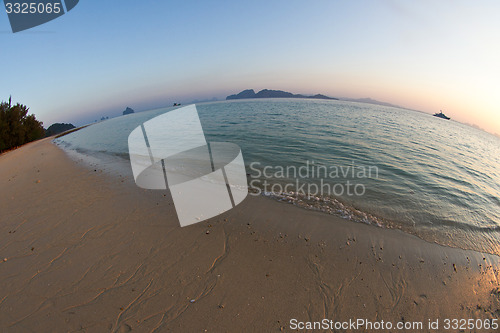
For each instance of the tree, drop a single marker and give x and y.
(34, 128)
(16, 127)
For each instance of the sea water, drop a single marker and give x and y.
(386, 166)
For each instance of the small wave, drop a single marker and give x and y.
(468, 227)
(125, 156)
(327, 205)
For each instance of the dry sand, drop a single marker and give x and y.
(86, 251)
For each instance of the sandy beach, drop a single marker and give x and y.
(83, 250)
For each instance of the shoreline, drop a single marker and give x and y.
(118, 166)
(96, 252)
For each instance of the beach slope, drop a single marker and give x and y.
(84, 250)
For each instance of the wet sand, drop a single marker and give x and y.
(83, 250)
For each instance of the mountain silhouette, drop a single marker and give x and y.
(266, 93)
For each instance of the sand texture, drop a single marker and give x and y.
(82, 250)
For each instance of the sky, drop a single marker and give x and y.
(101, 57)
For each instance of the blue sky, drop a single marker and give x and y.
(101, 57)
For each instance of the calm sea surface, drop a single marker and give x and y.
(386, 166)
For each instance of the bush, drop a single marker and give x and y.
(17, 127)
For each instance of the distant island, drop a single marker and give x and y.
(266, 93)
(58, 128)
(128, 111)
(372, 101)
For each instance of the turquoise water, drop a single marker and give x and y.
(430, 177)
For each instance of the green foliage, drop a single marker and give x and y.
(17, 127)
